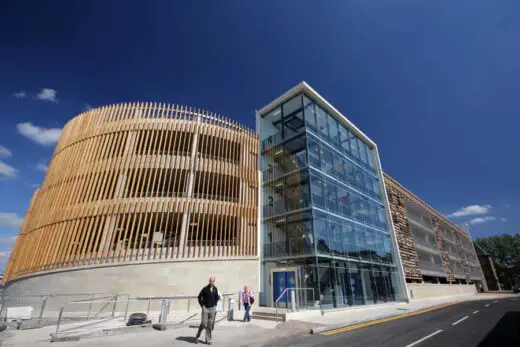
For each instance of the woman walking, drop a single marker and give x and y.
(247, 299)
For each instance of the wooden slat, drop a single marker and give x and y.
(92, 205)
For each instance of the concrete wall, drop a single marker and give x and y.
(423, 291)
(167, 278)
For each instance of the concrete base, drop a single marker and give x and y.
(166, 278)
(426, 290)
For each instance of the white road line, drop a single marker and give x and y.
(487, 305)
(475, 312)
(460, 320)
(424, 338)
(495, 301)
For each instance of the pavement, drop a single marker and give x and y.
(486, 322)
(397, 324)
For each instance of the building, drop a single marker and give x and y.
(433, 249)
(139, 196)
(488, 268)
(325, 215)
(136, 197)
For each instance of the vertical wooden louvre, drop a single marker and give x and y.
(140, 182)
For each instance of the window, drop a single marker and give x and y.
(343, 139)
(339, 168)
(353, 146)
(309, 114)
(317, 191)
(292, 105)
(314, 152)
(327, 161)
(333, 130)
(321, 122)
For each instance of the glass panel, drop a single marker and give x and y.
(314, 153)
(368, 285)
(333, 130)
(370, 158)
(339, 168)
(317, 191)
(344, 202)
(331, 196)
(361, 149)
(309, 114)
(353, 146)
(327, 161)
(292, 105)
(321, 230)
(321, 122)
(343, 136)
(357, 285)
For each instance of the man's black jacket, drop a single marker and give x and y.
(208, 297)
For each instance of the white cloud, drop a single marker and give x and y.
(8, 239)
(35, 186)
(7, 171)
(507, 205)
(40, 135)
(480, 220)
(5, 152)
(20, 95)
(4, 254)
(42, 167)
(47, 94)
(471, 210)
(87, 107)
(9, 219)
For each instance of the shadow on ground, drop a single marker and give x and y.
(505, 333)
(190, 339)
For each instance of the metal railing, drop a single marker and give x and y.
(300, 299)
(47, 305)
(115, 311)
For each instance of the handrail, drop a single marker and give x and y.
(285, 292)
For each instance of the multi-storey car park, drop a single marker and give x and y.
(150, 199)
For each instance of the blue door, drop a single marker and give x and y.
(281, 281)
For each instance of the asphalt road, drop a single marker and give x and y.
(480, 323)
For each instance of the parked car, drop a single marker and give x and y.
(516, 289)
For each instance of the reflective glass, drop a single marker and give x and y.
(292, 105)
(321, 122)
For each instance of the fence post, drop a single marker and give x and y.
(189, 300)
(114, 308)
(59, 321)
(90, 307)
(126, 309)
(148, 311)
(42, 309)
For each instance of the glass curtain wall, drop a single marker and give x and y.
(324, 208)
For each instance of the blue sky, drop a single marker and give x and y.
(434, 83)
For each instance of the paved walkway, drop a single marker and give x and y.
(231, 334)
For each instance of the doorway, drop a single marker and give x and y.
(281, 281)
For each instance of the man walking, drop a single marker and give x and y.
(208, 299)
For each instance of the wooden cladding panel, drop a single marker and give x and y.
(142, 181)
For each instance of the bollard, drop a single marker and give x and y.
(231, 308)
(59, 321)
(148, 310)
(126, 309)
(163, 316)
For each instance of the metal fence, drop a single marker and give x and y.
(86, 317)
(46, 307)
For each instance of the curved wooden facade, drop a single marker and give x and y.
(142, 182)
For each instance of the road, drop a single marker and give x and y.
(473, 323)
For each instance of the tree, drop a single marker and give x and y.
(505, 251)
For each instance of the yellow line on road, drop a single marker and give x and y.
(382, 320)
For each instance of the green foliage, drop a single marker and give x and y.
(505, 251)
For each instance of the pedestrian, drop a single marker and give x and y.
(247, 299)
(208, 299)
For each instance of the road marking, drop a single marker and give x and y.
(382, 320)
(460, 320)
(475, 312)
(495, 301)
(424, 338)
(487, 305)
